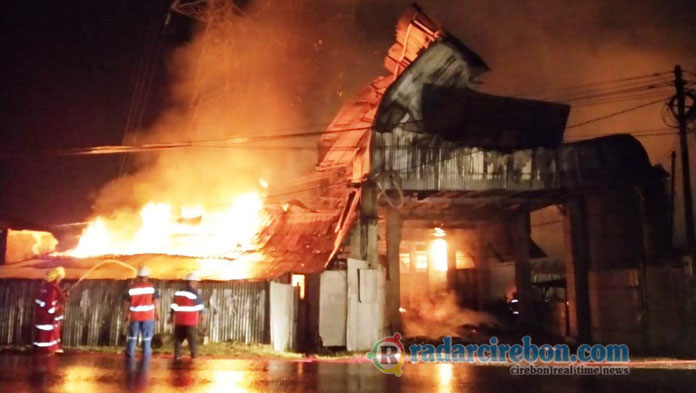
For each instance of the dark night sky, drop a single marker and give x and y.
(68, 70)
(67, 77)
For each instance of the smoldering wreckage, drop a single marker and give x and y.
(416, 214)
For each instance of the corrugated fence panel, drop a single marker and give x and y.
(17, 311)
(93, 314)
(235, 311)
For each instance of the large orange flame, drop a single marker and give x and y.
(187, 230)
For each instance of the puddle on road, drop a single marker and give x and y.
(85, 373)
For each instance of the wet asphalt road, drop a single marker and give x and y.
(90, 373)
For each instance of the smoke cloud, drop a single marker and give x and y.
(236, 78)
(283, 65)
(439, 316)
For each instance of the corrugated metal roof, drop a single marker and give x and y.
(486, 121)
(436, 96)
(348, 136)
(434, 92)
(415, 32)
(298, 240)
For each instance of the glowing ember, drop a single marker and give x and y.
(188, 230)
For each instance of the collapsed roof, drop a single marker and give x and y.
(434, 75)
(428, 90)
(297, 240)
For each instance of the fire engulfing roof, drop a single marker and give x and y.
(298, 240)
(304, 237)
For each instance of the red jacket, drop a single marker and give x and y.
(49, 304)
(48, 316)
(142, 297)
(186, 307)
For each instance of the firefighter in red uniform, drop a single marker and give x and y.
(141, 310)
(49, 313)
(187, 312)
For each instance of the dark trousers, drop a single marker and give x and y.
(189, 333)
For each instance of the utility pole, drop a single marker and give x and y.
(673, 158)
(686, 170)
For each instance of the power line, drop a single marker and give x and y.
(620, 95)
(124, 149)
(614, 89)
(636, 133)
(243, 143)
(218, 142)
(145, 76)
(625, 98)
(620, 81)
(614, 93)
(607, 116)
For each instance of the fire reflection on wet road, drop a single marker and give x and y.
(89, 373)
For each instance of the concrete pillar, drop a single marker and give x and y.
(368, 224)
(520, 230)
(394, 223)
(356, 242)
(363, 241)
(577, 263)
(482, 272)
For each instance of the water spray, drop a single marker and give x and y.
(108, 261)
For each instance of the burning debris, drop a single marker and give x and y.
(192, 231)
(209, 202)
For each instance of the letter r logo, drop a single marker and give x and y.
(388, 354)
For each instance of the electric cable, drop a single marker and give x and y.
(610, 115)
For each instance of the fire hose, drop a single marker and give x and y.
(82, 277)
(106, 262)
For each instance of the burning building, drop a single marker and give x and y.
(423, 185)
